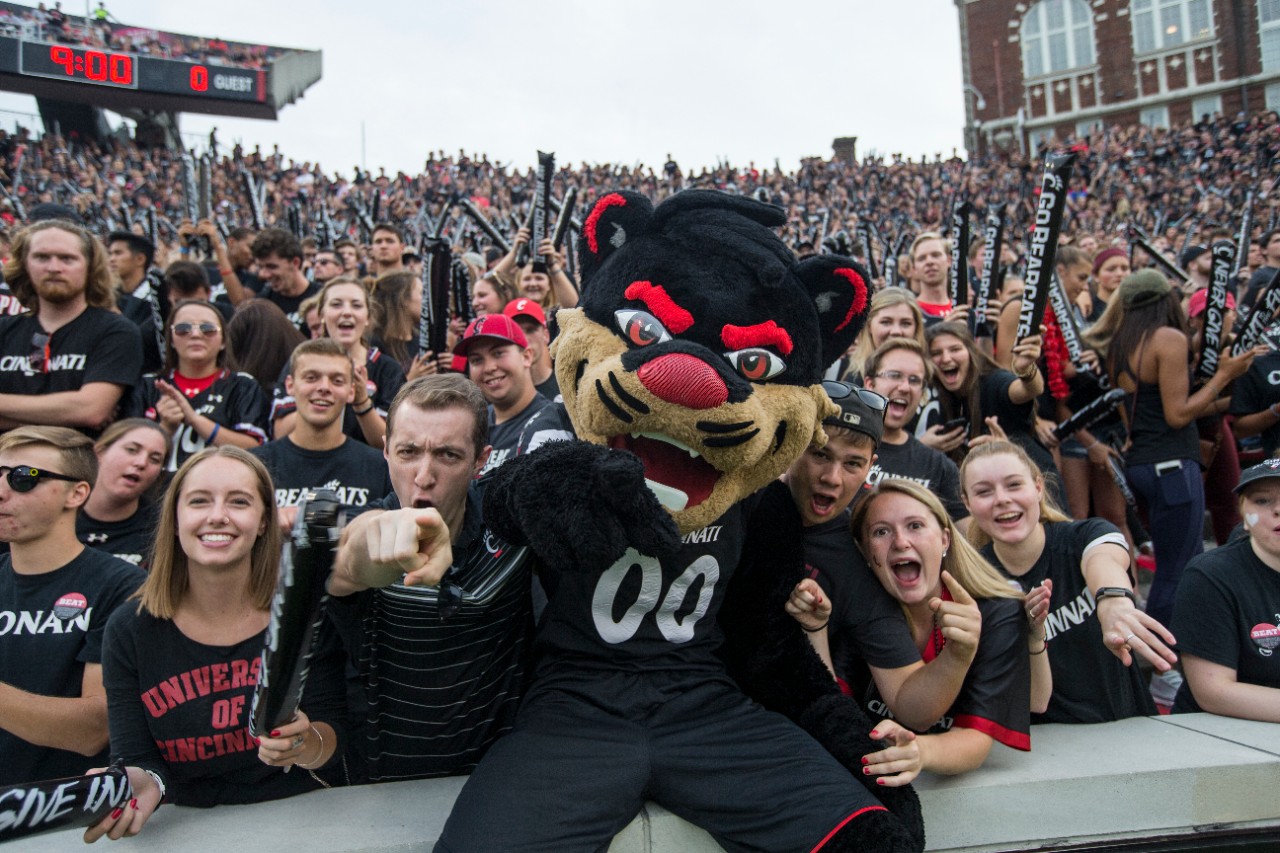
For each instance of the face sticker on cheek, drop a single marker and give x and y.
(1250, 520)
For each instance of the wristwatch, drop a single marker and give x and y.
(1114, 592)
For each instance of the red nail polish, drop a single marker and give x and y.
(866, 771)
(257, 742)
(133, 804)
(879, 781)
(276, 733)
(116, 814)
(866, 760)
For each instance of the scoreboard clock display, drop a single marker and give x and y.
(118, 70)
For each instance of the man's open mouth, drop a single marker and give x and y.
(676, 473)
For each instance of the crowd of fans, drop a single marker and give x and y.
(102, 31)
(183, 386)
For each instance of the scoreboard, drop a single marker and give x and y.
(129, 71)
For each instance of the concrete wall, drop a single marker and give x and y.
(1140, 778)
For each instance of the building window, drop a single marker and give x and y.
(1159, 24)
(1154, 117)
(1057, 35)
(1206, 105)
(1084, 128)
(1269, 33)
(1273, 96)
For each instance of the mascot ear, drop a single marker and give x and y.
(614, 219)
(840, 292)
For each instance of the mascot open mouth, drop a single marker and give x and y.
(676, 473)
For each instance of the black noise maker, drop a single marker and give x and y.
(296, 610)
(1043, 248)
(255, 201)
(34, 808)
(563, 217)
(863, 230)
(1070, 329)
(437, 265)
(1215, 311)
(191, 200)
(1262, 315)
(1097, 409)
(1243, 238)
(960, 253)
(478, 217)
(541, 203)
(993, 238)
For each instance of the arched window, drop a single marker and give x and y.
(1168, 23)
(1056, 35)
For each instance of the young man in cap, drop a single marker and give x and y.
(500, 363)
(533, 322)
(866, 637)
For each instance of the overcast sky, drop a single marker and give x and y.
(590, 80)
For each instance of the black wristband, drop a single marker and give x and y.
(1114, 592)
(362, 412)
(809, 630)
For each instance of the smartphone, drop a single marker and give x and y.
(954, 424)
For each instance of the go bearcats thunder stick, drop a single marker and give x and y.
(1044, 243)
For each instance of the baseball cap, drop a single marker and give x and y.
(49, 210)
(860, 410)
(1268, 469)
(1189, 254)
(1199, 299)
(495, 326)
(525, 308)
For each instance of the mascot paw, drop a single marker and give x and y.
(579, 506)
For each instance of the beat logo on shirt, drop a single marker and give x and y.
(1266, 637)
(69, 606)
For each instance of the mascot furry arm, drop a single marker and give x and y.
(691, 370)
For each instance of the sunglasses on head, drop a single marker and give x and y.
(841, 390)
(39, 357)
(182, 330)
(24, 478)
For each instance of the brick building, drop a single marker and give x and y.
(1034, 67)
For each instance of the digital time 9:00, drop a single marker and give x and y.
(94, 65)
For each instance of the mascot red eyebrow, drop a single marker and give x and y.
(691, 376)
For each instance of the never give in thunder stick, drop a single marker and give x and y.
(1224, 256)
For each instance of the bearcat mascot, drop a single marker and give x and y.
(691, 376)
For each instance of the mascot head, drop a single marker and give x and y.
(700, 342)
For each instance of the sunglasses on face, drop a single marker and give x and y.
(841, 390)
(205, 330)
(24, 478)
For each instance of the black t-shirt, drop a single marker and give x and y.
(385, 379)
(434, 693)
(129, 539)
(181, 708)
(234, 401)
(1259, 280)
(995, 697)
(1090, 684)
(1016, 419)
(1255, 391)
(97, 346)
(290, 304)
(1228, 613)
(356, 471)
(914, 461)
(51, 625)
(867, 626)
(550, 388)
(509, 438)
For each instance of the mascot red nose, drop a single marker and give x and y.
(667, 667)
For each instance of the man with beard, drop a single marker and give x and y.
(69, 361)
